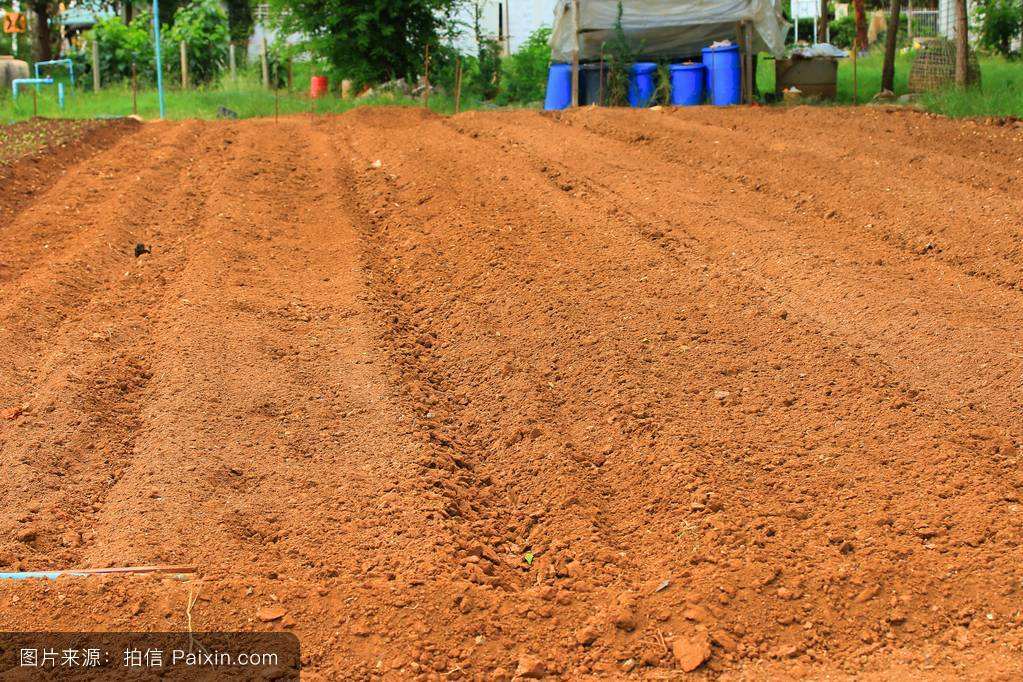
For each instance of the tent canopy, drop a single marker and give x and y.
(664, 28)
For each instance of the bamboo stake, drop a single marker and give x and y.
(426, 77)
(134, 91)
(458, 84)
(184, 65)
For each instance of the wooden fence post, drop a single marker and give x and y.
(265, 63)
(184, 65)
(232, 60)
(458, 84)
(95, 65)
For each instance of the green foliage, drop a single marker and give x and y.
(620, 56)
(239, 19)
(662, 92)
(525, 72)
(1000, 22)
(121, 45)
(24, 44)
(202, 25)
(489, 68)
(368, 41)
(843, 31)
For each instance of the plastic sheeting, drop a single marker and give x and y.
(664, 28)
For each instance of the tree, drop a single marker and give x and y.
(822, 24)
(861, 24)
(962, 43)
(239, 18)
(891, 40)
(1000, 23)
(42, 35)
(367, 41)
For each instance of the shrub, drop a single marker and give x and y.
(843, 31)
(1000, 23)
(489, 68)
(121, 45)
(525, 72)
(202, 25)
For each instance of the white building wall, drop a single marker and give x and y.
(523, 18)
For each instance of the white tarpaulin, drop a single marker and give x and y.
(664, 28)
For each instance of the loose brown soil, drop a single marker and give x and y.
(607, 393)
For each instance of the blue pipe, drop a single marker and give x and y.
(159, 66)
(60, 95)
(29, 81)
(66, 62)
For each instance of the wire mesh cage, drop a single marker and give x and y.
(934, 66)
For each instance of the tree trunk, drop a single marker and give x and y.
(822, 23)
(888, 71)
(42, 40)
(962, 43)
(861, 24)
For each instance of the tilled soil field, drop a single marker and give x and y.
(611, 394)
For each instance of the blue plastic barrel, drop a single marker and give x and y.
(641, 83)
(687, 84)
(559, 87)
(723, 75)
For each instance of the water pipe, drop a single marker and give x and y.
(156, 45)
(28, 81)
(53, 62)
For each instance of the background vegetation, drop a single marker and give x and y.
(488, 78)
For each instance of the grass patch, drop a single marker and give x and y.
(999, 94)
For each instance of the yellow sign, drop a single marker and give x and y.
(14, 22)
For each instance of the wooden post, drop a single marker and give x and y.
(95, 65)
(426, 77)
(855, 53)
(184, 65)
(277, 92)
(290, 74)
(232, 60)
(134, 91)
(909, 22)
(575, 55)
(458, 84)
(750, 75)
(265, 64)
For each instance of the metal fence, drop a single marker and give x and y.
(922, 23)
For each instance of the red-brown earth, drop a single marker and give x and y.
(603, 393)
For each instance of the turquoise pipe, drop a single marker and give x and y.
(52, 62)
(28, 81)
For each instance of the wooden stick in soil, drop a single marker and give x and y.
(134, 91)
(184, 65)
(426, 77)
(95, 65)
(277, 94)
(458, 84)
(855, 52)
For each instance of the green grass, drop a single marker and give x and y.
(1000, 92)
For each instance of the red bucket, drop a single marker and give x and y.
(318, 86)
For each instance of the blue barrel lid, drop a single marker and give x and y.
(686, 67)
(644, 67)
(723, 48)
